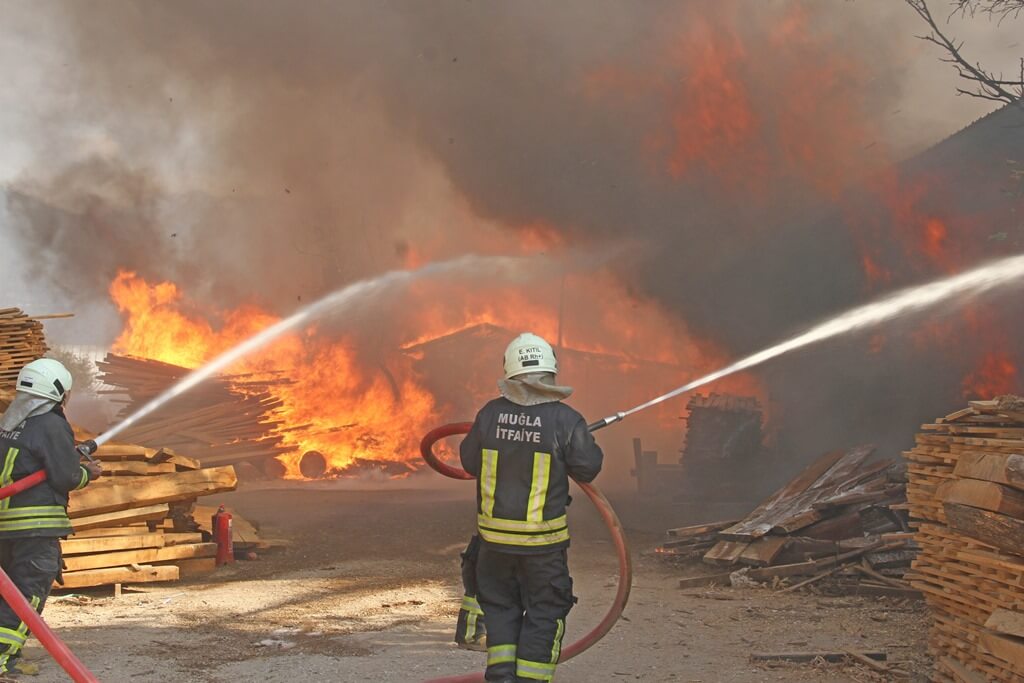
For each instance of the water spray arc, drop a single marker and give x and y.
(967, 285)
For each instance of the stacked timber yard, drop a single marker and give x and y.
(140, 522)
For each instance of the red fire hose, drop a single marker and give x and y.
(12, 596)
(610, 520)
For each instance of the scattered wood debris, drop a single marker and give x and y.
(837, 519)
(966, 500)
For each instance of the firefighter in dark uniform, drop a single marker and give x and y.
(35, 435)
(522, 448)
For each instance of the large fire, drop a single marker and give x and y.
(354, 412)
(754, 112)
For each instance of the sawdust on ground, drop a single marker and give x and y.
(368, 590)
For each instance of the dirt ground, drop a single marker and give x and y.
(368, 590)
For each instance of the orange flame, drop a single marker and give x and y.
(355, 412)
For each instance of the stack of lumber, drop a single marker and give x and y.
(966, 501)
(224, 421)
(21, 342)
(835, 514)
(135, 525)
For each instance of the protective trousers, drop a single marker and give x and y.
(525, 599)
(33, 564)
(470, 630)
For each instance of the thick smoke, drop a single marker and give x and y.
(273, 151)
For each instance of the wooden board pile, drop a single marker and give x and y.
(21, 342)
(835, 517)
(135, 524)
(966, 500)
(224, 421)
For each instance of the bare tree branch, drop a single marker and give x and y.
(1000, 9)
(989, 86)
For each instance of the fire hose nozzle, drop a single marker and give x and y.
(600, 424)
(86, 449)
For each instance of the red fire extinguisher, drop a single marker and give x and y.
(222, 536)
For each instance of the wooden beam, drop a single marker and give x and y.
(110, 496)
(147, 513)
(102, 577)
(992, 528)
(82, 546)
(986, 495)
(1002, 468)
(763, 551)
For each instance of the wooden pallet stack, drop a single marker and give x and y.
(135, 524)
(224, 421)
(966, 501)
(21, 342)
(835, 517)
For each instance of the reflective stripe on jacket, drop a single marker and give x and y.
(41, 442)
(522, 457)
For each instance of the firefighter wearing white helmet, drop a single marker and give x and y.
(522, 448)
(34, 436)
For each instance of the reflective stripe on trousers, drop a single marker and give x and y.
(15, 639)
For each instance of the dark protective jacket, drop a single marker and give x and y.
(41, 442)
(522, 457)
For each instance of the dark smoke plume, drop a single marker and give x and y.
(317, 142)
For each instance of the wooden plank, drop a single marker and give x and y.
(119, 558)
(992, 528)
(81, 546)
(121, 517)
(1007, 648)
(181, 462)
(725, 552)
(141, 556)
(1002, 468)
(109, 496)
(179, 538)
(763, 551)
(986, 495)
(111, 531)
(133, 467)
(186, 551)
(103, 577)
(199, 566)
(1007, 622)
(699, 529)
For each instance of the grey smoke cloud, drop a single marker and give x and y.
(273, 151)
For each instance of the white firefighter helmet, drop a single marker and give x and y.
(529, 353)
(46, 378)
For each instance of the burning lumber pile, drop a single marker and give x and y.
(21, 342)
(224, 421)
(966, 500)
(135, 524)
(835, 518)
